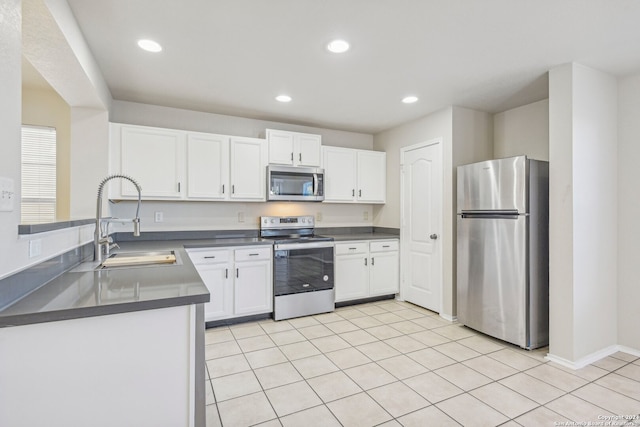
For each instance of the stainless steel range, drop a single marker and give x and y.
(302, 267)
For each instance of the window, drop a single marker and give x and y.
(38, 174)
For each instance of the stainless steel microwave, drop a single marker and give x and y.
(288, 183)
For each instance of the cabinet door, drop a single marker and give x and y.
(372, 180)
(153, 157)
(248, 169)
(217, 279)
(280, 147)
(306, 150)
(339, 174)
(207, 166)
(385, 276)
(352, 277)
(253, 287)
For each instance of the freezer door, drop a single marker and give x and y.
(493, 185)
(492, 276)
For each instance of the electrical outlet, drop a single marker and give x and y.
(318, 216)
(365, 215)
(159, 216)
(35, 248)
(240, 216)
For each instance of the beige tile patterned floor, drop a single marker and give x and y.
(391, 363)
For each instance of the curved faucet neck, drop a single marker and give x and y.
(102, 241)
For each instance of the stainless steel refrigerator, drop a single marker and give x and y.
(503, 249)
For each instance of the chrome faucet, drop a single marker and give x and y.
(102, 243)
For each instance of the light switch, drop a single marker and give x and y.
(7, 195)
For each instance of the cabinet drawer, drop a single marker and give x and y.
(384, 246)
(253, 254)
(208, 256)
(351, 248)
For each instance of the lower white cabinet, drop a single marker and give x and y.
(239, 280)
(366, 269)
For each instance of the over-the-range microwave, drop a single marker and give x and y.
(295, 184)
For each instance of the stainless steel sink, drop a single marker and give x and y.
(120, 260)
(145, 259)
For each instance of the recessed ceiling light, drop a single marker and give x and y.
(283, 98)
(410, 99)
(149, 45)
(338, 46)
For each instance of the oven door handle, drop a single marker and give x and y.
(295, 246)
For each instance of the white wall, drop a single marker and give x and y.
(583, 212)
(10, 107)
(175, 118)
(628, 211)
(522, 130)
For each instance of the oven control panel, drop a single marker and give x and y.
(306, 221)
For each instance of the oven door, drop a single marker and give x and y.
(302, 267)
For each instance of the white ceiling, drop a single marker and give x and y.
(234, 56)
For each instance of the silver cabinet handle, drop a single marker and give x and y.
(372, 261)
(209, 257)
(385, 246)
(365, 261)
(178, 187)
(300, 157)
(359, 193)
(254, 254)
(233, 189)
(237, 272)
(222, 188)
(352, 249)
(353, 193)
(226, 273)
(434, 236)
(292, 157)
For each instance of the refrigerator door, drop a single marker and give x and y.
(492, 275)
(493, 185)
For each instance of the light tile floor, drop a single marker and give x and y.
(392, 363)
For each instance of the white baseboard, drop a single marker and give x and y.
(449, 318)
(591, 358)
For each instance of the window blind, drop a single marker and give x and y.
(38, 174)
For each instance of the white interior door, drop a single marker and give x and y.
(422, 224)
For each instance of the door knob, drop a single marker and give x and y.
(434, 236)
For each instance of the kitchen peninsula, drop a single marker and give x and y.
(123, 346)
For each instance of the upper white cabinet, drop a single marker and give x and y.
(354, 175)
(180, 165)
(208, 166)
(248, 169)
(154, 157)
(294, 148)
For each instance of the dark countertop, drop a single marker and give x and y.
(83, 292)
(362, 236)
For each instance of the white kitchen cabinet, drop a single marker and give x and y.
(366, 269)
(372, 176)
(354, 176)
(253, 281)
(180, 165)
(294, 148)
(207, 166)
(239, 280)
(248, 169)
(351, 271)
(154, 157)
(384, 268)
